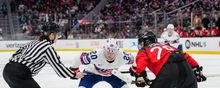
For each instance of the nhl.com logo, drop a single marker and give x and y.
(198, 44)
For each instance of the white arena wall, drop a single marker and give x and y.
(204, 45)
(71, 49)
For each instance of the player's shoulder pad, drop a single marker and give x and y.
(87, 57)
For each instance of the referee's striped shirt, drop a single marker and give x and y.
(36, 54)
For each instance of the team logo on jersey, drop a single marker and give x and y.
(103, 71)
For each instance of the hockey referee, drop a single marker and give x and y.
(27, 61)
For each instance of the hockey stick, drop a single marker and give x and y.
(133, 82)
(208, 75)
(122, 77)
(129, 72)
(212, 75)
(119, 75)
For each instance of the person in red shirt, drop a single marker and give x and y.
(192, 33)
(214, 32)
(202, 32)
(184, 33)
(172, 67)
(179, 29)
(197, 32)
(209, 33)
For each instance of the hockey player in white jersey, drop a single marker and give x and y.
(171, 37)
(101, 65)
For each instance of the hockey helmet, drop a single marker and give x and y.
(49, 28)
(170, 27)
(111, 49)
(147, 39)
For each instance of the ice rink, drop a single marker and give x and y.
(47, 78)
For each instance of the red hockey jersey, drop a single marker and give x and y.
(155, 56)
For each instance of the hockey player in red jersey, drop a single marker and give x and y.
(172, 67)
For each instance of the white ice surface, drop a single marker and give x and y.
(47, 78)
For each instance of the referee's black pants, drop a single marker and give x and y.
(18, 76)
(176, 73)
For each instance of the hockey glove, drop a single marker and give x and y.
(142, 79)
(199, 75)
(132, 71)
(74, 70)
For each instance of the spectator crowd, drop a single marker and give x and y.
(119, 18)
(129, 18)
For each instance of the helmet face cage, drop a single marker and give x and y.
(147, 39)
(110, 49)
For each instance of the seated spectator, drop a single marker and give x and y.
(179, 29)
(195, 33)
(192, 33)
(184, 33)
(209, 33)
(202, 32)
(214, 32)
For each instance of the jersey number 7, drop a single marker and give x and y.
(160, 50)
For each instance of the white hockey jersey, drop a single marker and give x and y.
(172, 40)
(175, 36)
(96, 62)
